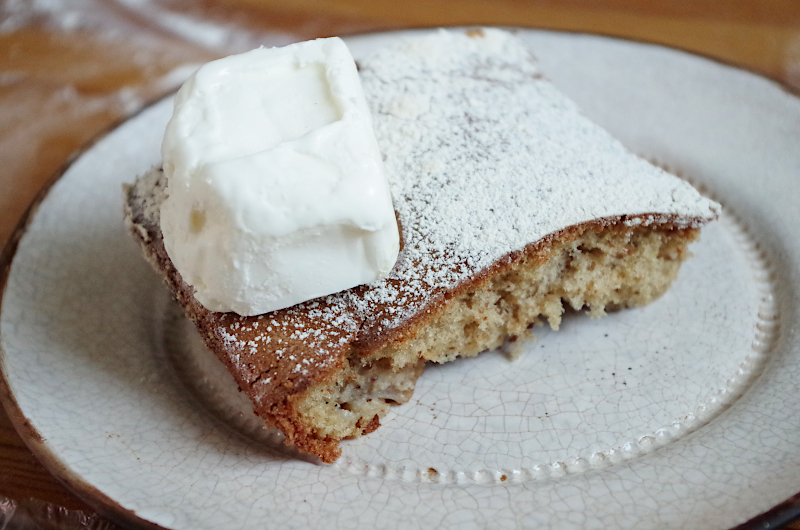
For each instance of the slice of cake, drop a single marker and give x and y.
(512, 205)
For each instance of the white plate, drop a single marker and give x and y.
(685, 413)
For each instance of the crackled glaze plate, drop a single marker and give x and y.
(685, 413)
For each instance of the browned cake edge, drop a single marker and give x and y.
(280, 412)
(673, 240)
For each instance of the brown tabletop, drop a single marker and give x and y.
(67, 73)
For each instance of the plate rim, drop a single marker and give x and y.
(33, 440)
(777, 516)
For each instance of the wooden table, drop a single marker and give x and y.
(68, 75)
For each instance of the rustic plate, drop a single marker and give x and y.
(683, 413)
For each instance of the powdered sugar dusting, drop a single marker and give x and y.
(484, 157)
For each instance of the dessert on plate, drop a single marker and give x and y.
(511, 206)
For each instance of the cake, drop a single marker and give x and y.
(511, 205)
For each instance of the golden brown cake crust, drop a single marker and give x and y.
(370, 339)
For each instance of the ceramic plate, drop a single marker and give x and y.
(685, 413)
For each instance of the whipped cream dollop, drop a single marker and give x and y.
(276, 192)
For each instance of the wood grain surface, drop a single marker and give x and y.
(68, 74)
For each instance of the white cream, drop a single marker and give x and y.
(276, 188)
